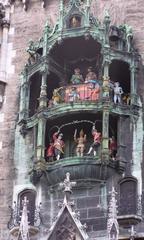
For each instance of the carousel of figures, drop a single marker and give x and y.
(81, 140)
(118, 91)
(56, 148)
(77, 77)
(96, 142)
(91, 77)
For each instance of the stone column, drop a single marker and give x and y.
(4, 47)
(133, 88)
(40, 146)
(24, 96)
(40, 149)
(43, 101)
(106, 104)
(105, 134)
(106, 23)
(106, 64)
(123, 134)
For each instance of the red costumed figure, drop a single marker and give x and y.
(96, 141)
(58, 145)
(113, 147)
(50, 152)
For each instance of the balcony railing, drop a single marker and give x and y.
(75, 93)
(87, 92)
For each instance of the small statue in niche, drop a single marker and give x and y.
(96, 141)
(81, 140)
(32, 50)
(75, 22)
(113, 147)
(77, 77)
(58, 145)
(118, 91)
(91, 77)
(74, 95)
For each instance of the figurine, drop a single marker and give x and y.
(50, 152)
(74, 95)
(96, 141)
(113, 147)
(57, 98)
(80, 143)
(91, 77)
(127, 99)
(58, 145)
(118, 91)
(77, 77)
(74, 22)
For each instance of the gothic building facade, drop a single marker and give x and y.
(71, 119)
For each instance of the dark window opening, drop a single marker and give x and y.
(119, 72)
(31, 196)
(35, 83)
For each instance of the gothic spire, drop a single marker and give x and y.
(112, 223)
(24, 224)
(67, 185)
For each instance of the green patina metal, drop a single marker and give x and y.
(41, 60)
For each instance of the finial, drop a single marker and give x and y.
(24, 224)
(67, 185)
(132, 233)
(106, 14)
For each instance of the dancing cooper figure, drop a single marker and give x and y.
(96, 142)
(58, 145)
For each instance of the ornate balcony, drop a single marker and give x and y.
(73, 99)
(86, 167)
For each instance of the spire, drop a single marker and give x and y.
(24, 224)
(112, 223)
(67, 185)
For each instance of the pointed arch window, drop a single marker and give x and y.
(31, 196)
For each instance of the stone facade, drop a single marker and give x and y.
(16, 151)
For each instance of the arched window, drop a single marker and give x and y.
(128, 196)
(31, 196)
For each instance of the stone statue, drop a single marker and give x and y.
(96, 141)
(91, 77)
(128, 35)
(80, 142)
(118, 91)
(77, 77)
(32, 50)
(58, 145)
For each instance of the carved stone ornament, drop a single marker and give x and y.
(67, 224)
